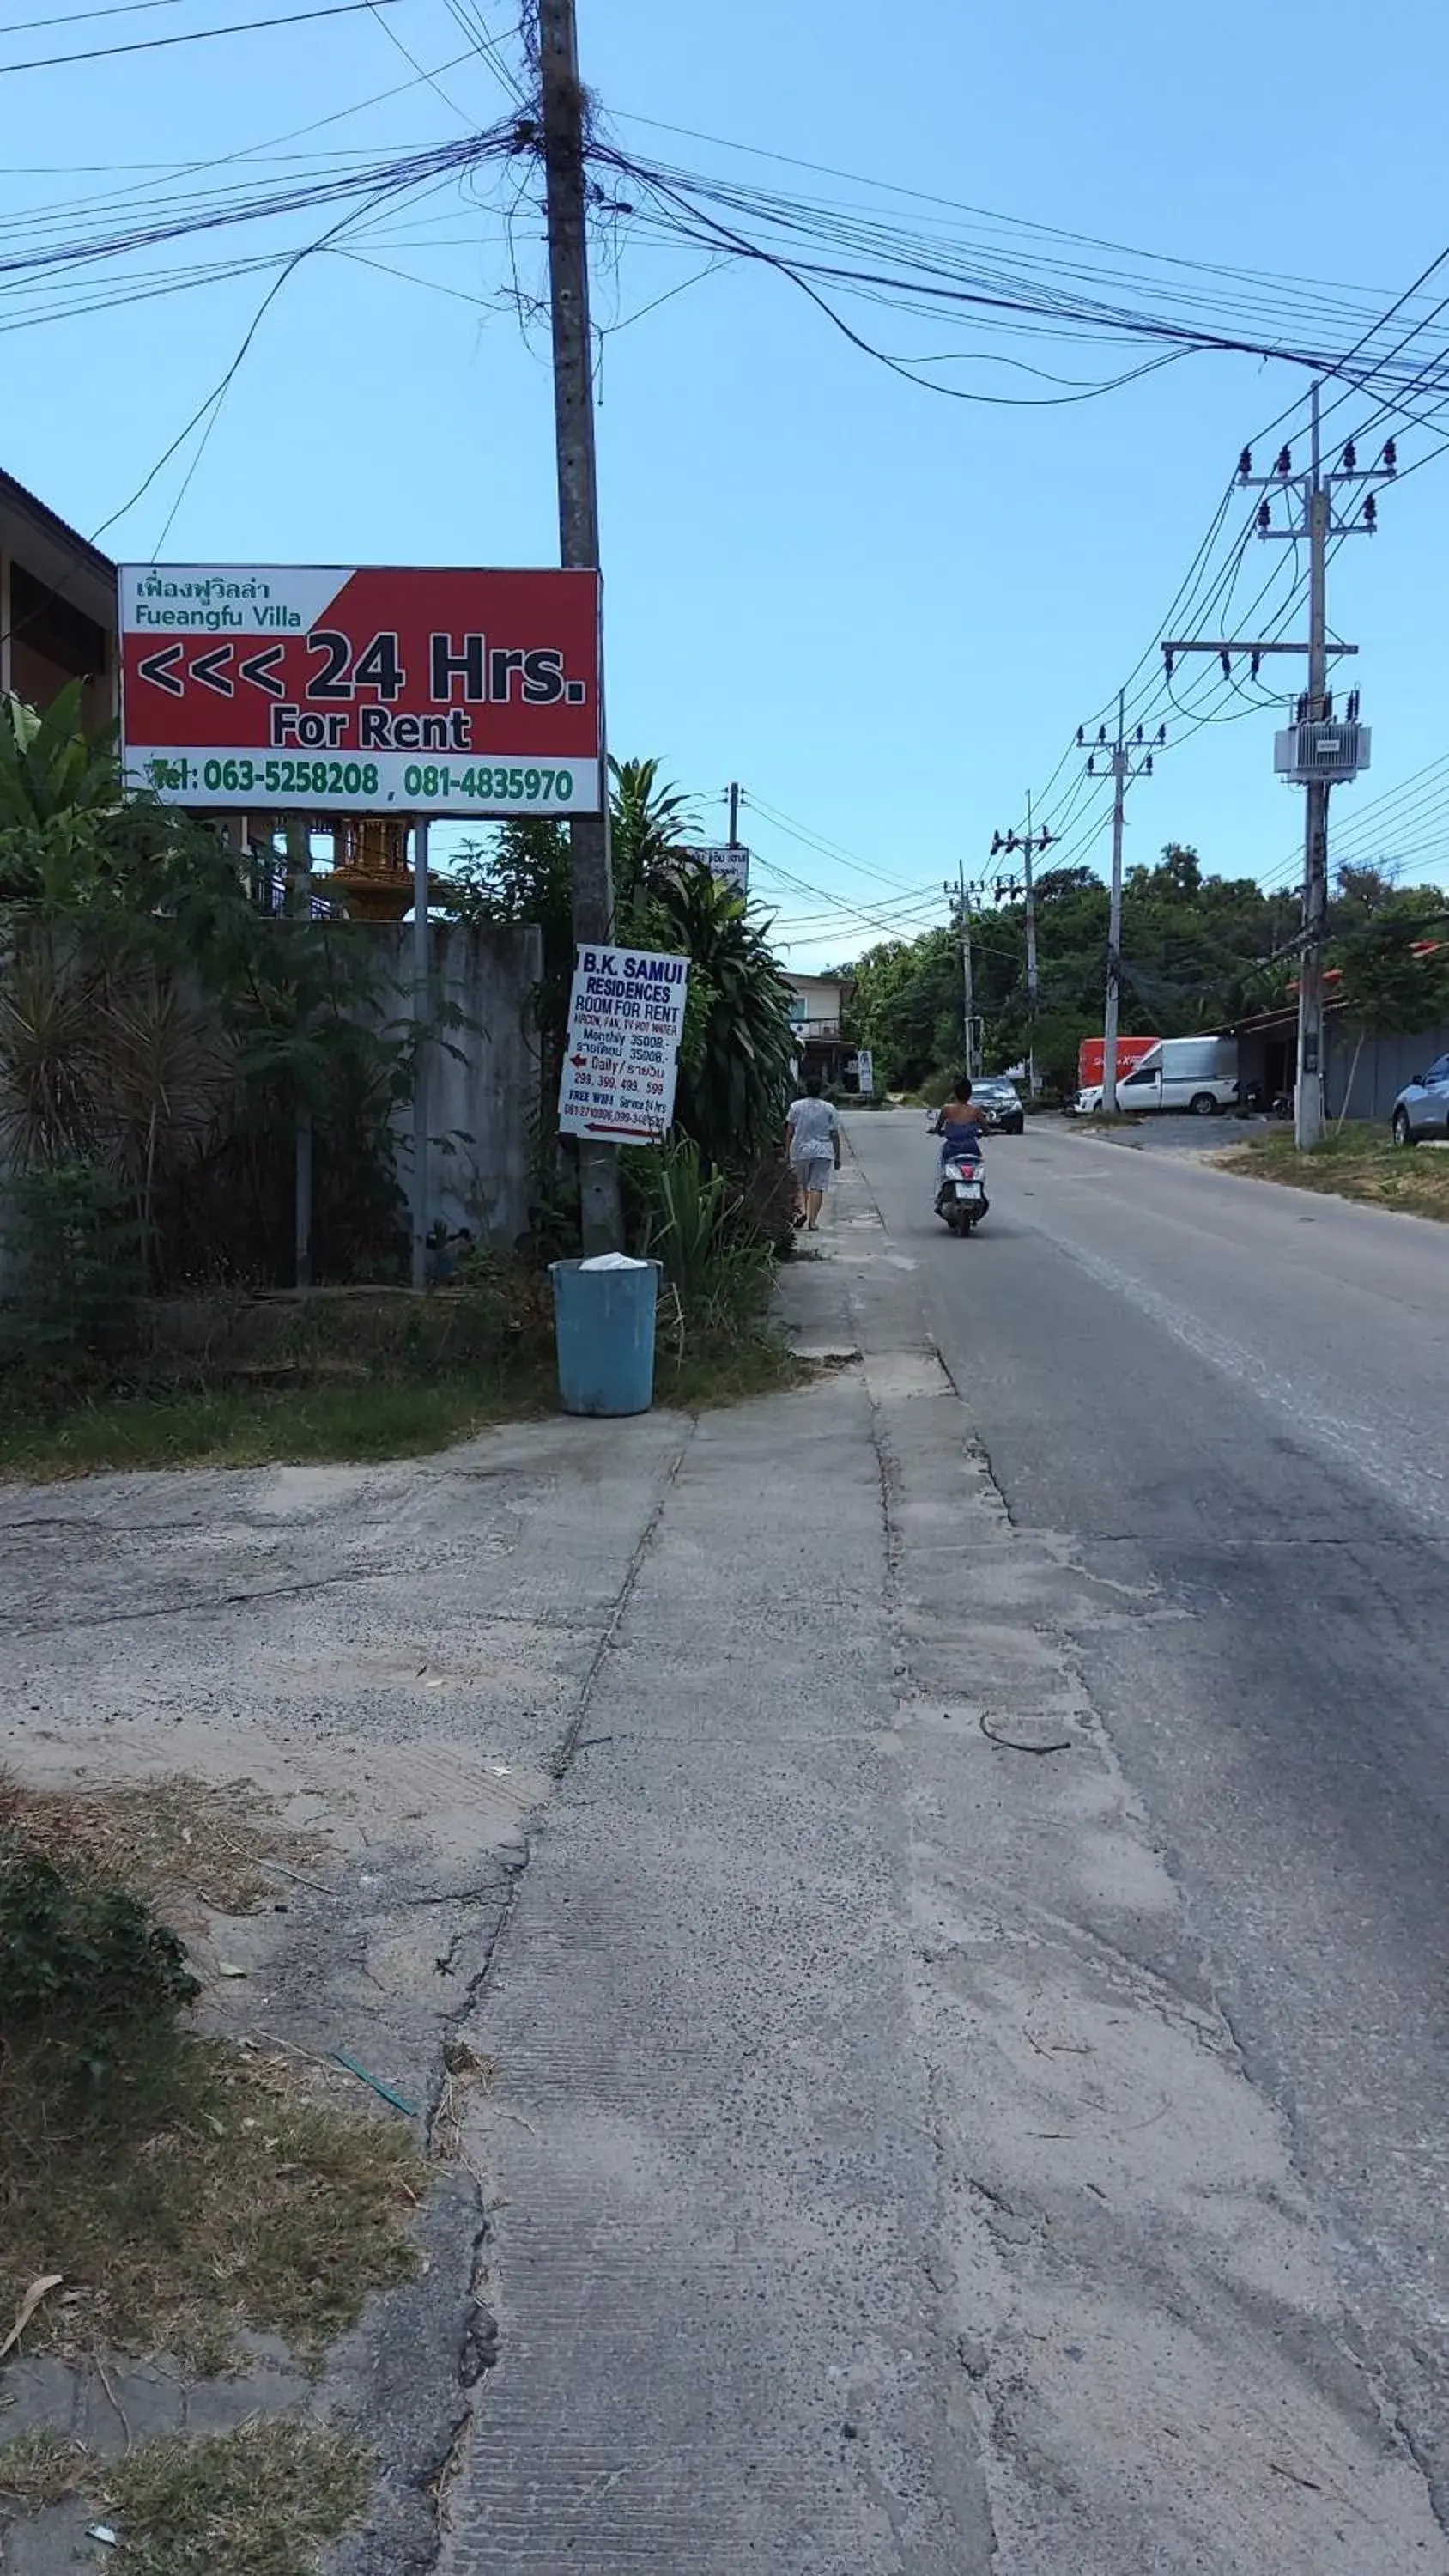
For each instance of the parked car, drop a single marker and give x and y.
(1422, 1107)
(999, 1101)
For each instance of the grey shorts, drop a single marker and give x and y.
(813, 1171)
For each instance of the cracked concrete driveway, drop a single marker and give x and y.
(872, 2176)
(396, 1657)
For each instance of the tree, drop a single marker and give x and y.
(1389, 988)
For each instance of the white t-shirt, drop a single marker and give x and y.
(813, 1128)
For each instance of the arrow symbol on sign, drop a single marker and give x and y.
(578, 1062)
(160, 669)
(212, 670)
(260, 669)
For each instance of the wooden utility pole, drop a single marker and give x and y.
(578, 508)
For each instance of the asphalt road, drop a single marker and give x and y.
(1231, 1400)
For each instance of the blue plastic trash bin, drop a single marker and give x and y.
(604, 1329)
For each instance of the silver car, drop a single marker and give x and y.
(1422, 1107)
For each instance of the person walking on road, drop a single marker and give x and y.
(812, 1141)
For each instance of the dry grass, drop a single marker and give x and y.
(262, 2501)
(202, 2187)
(1362, 1163)
(164, 1838)
(208, 2195)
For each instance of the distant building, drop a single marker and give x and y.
(57, 609)
(817, 1015)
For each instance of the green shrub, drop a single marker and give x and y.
(76, 1267)
(697, 1224)
(87, 1973)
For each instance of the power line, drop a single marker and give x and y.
(197, 36)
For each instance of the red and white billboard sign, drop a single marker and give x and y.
(314, 688)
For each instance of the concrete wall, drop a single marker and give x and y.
(483, 1074)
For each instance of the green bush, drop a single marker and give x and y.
(87, 1973)
(76, 1266)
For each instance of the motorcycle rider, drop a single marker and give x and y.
(958, 1123)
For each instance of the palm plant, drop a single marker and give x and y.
(739, 1045)
(651, 825)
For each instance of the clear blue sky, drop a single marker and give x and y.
(883, 612)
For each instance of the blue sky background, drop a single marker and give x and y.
(883, 612)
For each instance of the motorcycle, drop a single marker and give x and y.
(961, 1200)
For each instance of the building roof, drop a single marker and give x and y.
(15, 496)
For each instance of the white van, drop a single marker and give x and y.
(1197, 1074)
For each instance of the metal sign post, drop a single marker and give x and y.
(421, 1015)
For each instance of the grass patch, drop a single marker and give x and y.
(1362, 1163)
(243, 1426)
(203, 2194)
(262, 2501)
(162, 1837)
(249, 1426)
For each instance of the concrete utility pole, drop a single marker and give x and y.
(1120, 753)
(734, 813)
(1308, 1088)
(1313, 752)
(1030, 844)
(578, 507)
(960, 894)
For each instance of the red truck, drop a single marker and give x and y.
(1090, 1068)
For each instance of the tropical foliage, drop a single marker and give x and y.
(738, 1049)
(160, 1035)
(1197, 951)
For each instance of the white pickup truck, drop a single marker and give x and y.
(1197, 1074)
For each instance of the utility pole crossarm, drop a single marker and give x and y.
(1243, 644)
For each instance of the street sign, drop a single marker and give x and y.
(626, 1016)
(865, 1070)
(727, 861)
(315, 689)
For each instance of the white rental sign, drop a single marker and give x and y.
(728, 863)
(626, 1017)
